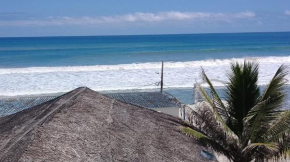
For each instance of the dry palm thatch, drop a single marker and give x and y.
(84, 125)
(250, 126)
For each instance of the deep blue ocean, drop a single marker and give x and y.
(42, 65)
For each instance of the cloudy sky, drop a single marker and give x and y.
(131, 17)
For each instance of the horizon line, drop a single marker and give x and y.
(144, 34)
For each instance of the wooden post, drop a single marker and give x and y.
(161, 84)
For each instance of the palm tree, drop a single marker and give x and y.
(248, 125)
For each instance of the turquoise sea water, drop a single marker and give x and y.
(112, 50)
(58, 64)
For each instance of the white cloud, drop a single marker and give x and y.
(135, 17)
(287, 12)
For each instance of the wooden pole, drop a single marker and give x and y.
(161, 89)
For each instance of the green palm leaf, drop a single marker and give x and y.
(218, 109)
(269, 107)
(261, 150)
(280, 128)
(250, 126)
(207, 140)
(217, 102)
(242, 93)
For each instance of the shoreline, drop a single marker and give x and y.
(134, 89)
(184, 94)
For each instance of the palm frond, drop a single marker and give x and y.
(218, 107)
(222, 110)
(207, 140)
(216, 113)
(242, 92)
(280, 129)
(261, 116)
(284, 148)
(261, 151)
(276, 86)
(254, 123)
(196, 134)
(213, 128)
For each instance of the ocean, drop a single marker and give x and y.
(42, 65)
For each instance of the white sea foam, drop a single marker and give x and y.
(39, 80)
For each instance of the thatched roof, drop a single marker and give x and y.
(149, 100)
(84, 125)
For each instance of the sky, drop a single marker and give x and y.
(137, 17)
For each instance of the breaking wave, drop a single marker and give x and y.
(40, 80)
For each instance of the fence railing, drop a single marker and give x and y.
(11, 105)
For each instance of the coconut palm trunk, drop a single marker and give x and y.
(249, 125)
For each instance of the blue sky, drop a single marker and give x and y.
(131, 17)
